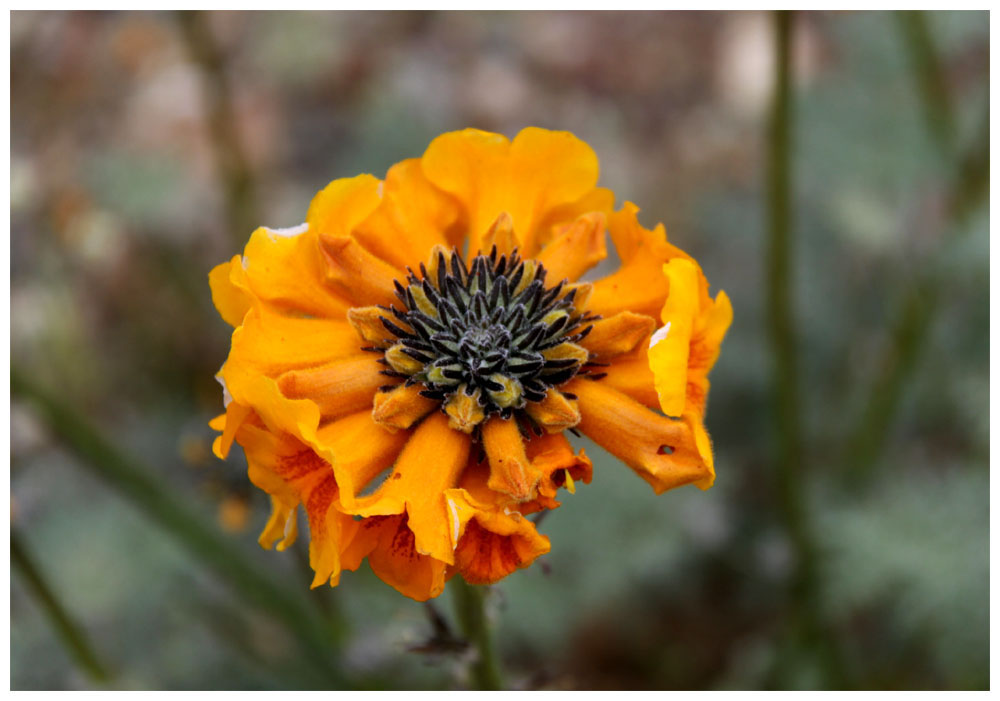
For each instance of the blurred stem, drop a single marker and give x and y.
(910, 330)
(69, 633)
(807, 626)
(223, 125)
(470, 608)
(318, 636)
(929, 78)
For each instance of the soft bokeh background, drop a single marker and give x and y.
(146, 147)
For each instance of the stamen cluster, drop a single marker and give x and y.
(491, 331)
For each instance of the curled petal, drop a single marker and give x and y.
(661, 451)
(338, 388)
(430, 463)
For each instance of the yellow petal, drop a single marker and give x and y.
(231, 299)
(669, 346)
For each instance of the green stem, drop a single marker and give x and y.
(318, 636)
(909, 333)
(807, 627)
(471, 612)
(929, 77)
(69, 633)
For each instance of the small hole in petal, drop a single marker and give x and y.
(665, 450)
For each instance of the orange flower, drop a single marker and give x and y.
(406, 362)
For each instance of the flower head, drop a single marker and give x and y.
(405, 363)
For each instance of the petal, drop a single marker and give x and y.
(555, 413)
(289, 274)
(510, 470)
(362, 450)
(639, 285)
(412, 218)
(396, 560)
(617, 335)
(270, 344)
(230, 297)
(536, 173)
(496, 543)
(662, 451)
(281, 526)
(338, 388)
(401, 407)
(670, 346)
(631, 376)
(574, 249)
(342, 205)
(430, 463)
(356, 274)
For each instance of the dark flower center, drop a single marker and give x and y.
(491, 330)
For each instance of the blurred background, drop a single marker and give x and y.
(845, 544)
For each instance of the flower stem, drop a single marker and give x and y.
(471, 611)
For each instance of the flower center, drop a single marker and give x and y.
(486, 338)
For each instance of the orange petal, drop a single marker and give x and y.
(270, 344)
(617, 335)
(356, 274)
(367, 323)
(413, 217)
(660, 450)
(361, 449)
(394, 558)
(430, 463)
(500, 234)
(232, 299)
(342, 205)
(338, 388)
(281, 526)
(495, 544)
(631, 376)
(600, 199)
(235, 415)
(401, 407)
(288, 272)
(639, 285)
(555, 413)
(510, 470)
(574, 249)
(552, 453)
(536, 173)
